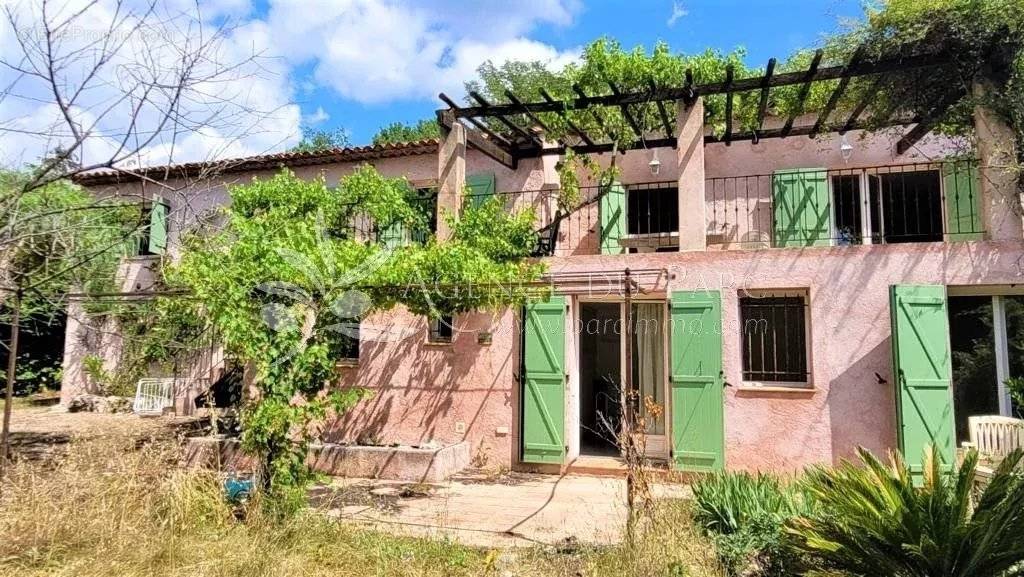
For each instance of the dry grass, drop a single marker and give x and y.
(113, 507)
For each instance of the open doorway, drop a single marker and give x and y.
(987, 341)
(600, 377)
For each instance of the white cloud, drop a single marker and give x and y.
(678, 11)
(318, 116)
(376, 51)
(370, 51)
(243, 110)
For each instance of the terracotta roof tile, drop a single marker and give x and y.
(261, 162)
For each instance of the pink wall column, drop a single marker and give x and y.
(690, 156)
(451, 170)
(1001, 200)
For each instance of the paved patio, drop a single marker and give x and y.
(515, 509)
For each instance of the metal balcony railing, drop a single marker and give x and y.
(921, 202)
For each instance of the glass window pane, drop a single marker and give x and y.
(974, 362)
(1015, 341)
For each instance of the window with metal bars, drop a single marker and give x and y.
(652, 208)
(774, 338)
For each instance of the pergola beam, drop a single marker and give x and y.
(501, 140)
(572, 125)
(597, 117)
(798, 131)
(688, 91)
(929, 121)
(533, 118)
(805, 89)
(625, 112)
(861, 107)
(708, 139)
(762, 106)
(501, 118)
(833, 99)
(665, 124)
(446, 119)
(728, 104)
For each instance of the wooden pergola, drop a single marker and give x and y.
(512, 130)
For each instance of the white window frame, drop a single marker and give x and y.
(999, 328)
(867, 233)
(804, 293)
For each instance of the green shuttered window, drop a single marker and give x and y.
(479, 188)
(800, 207)
(922, 367)
(963, 214)
(698, 420)
(612, 210)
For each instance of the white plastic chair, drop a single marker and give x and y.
(995, 435)
(153, 395)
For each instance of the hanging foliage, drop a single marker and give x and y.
(299, 264)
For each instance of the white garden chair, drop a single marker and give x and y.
(152, 396)
(995, 435)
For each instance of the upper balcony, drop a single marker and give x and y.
(907, 203)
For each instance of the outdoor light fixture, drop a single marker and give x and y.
(655, 164)
(845, 149)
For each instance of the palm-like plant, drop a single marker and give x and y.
(874, 521)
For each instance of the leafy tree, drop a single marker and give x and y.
(873, 520)
(397, 132)
(288, 279)
(52, 236)
(315, 139)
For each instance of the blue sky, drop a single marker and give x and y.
(361, 64)
(765, 28)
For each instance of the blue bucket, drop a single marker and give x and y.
(237, 490)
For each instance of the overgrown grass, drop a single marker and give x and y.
(121, 508)
(744, 515)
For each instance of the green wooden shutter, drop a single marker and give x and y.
(480, 188)
(544, 382)
(698, 420)
(612, 209)
(921, 365)
(801, 208)
(963, 205)
(158, 227)
(394, 235)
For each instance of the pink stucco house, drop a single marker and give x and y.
(794, 298)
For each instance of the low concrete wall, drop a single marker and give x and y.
(395, 463)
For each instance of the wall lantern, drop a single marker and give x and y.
(655, 164)
(845, 149)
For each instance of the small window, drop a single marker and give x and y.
(425, 199)
(906, 206)
(652, 208)
(774, 333)
(441, 329)
(347, 349)
(846, 200)
(151, 236)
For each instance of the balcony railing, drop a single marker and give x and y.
(640, 217)
(923, 202)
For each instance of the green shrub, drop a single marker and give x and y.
(873, 520)
(744, 515)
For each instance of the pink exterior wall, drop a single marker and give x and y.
(446, 393)
(468, 391)
(849, 320)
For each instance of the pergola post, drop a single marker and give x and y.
(1001, 200)
(690, 157)
(451, 162)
